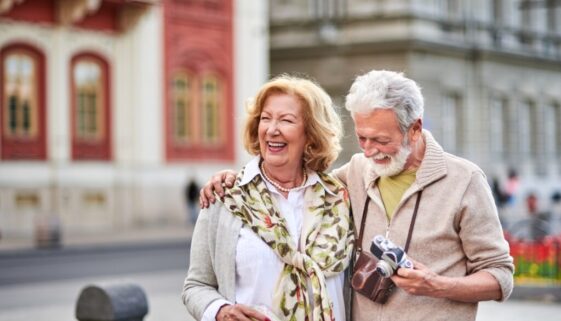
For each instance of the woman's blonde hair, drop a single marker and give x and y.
(322, 123)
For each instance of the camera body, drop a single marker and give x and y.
(391, 257)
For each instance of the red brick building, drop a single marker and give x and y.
(107, 107)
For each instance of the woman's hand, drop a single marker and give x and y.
(225, 178)
(239, 312)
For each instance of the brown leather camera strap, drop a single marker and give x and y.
(363, 221)
(413, 219)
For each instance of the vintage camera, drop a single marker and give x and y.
(391, 257)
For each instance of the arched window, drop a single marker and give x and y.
(23, 125)
(21, 95)
(211, 101)
(90, 108)
(183, 112)
(199, 117)
(89, 95)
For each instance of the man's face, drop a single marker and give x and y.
(381, 140)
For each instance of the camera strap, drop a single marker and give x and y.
(363, 221)
(413, 219)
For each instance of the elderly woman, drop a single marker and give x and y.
(277, 244)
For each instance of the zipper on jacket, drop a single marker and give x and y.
(388, 219)
(399, 206)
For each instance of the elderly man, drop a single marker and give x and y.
(459, 253)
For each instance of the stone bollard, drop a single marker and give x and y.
(112, 302)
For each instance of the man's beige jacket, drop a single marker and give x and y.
(457, 231)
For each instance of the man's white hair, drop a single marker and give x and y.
(387, 90)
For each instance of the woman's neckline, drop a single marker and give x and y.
(277, 184)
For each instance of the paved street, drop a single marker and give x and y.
(43, 285)
(519, 311)
(29, 266)
(55, 301)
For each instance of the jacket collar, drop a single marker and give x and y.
(433, 166)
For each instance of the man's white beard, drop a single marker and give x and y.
(396, 164)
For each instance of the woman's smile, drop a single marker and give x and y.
(276, 147)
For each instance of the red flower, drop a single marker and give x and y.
(268, 222)
(345, 195)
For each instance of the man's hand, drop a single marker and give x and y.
(422, 281)
(225, 178)
(479, 286)
(239, 312)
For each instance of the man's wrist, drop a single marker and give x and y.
(445, 286)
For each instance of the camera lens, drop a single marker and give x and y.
(384, 269)
(407, 264)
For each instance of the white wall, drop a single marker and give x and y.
(251, 38)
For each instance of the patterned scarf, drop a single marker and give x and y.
(328, 245)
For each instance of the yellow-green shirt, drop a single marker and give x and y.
(392, 189)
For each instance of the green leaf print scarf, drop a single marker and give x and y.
(328, 243)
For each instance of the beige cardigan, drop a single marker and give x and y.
(457, 231)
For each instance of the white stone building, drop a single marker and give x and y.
(490, 71)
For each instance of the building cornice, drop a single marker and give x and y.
(376, 33)
(412, 46)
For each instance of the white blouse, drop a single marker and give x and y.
(257, 265)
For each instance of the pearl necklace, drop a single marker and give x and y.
(277, 185)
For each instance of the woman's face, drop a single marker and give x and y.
(282, 137)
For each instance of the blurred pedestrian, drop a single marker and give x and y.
(539, 226)
(192, 198)
(501, 198)
(512, 186)
(556, 213)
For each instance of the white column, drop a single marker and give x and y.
(251, 51)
